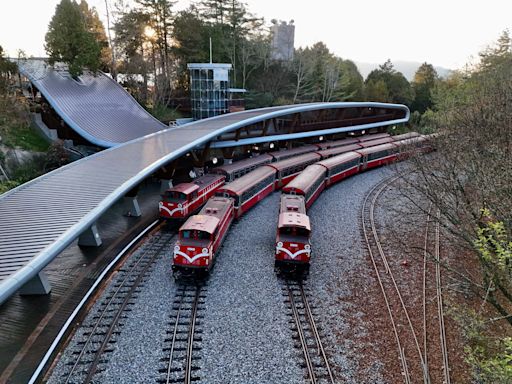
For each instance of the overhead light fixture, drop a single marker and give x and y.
(363, 132)
(215, 160)
(321, 138)
(271, 145)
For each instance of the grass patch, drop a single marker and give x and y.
(16, 129)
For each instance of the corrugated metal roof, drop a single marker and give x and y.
(42, 217)
(96, 107)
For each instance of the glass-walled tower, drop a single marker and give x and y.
(209, 89)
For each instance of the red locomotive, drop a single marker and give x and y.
(201, 236)
(293, 246)
(184, 199)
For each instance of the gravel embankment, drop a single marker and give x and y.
(247, 338)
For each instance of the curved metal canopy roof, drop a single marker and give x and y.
(42, 217)
(95, 106)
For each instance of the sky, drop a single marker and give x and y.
(446, 33)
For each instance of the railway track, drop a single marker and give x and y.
(412, 360)
(316, 362)
(440, 306)
(184, 336)
(99, 330)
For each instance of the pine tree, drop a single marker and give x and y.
(68, 39)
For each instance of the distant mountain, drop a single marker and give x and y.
(408, 68)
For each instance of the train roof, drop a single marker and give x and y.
(411, 141)
(283, 164)
(294, 151)
(205, 223)
(306, 178)
(292, 203)
(372, 143)
(377, 148)
(241, 164)
(186, 188)
(337, 143)
(207, 179)
(373, 136)
(335, 160)
(404, 136)
(246, 181)
(294, 219)
(339, 150)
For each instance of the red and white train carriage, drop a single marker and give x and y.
(201, 236)
(242, 167)
(379, 155)
(185, 199)
(286, 170)
(293, 246)
(309, 183)
(249, 189)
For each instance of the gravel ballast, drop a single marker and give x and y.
(246, 335)
(247, 338)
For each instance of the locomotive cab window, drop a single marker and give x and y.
(174, 196)
(294, 231)
(195, 235)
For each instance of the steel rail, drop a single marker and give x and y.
(314, 329)
(174, 333)
(125, 282)
(191, 332)
(302, 337)
(384, 185)
(403, 360)
(425, 257)
(442, 328)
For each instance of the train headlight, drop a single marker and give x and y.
(280, 244)
(205, 250)
(176, 248)
(307, 247)
(180, 205)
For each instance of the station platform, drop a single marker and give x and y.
(29, 324)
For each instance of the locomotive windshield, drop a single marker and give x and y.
(173, 196)
(294, 231)
(195, 235)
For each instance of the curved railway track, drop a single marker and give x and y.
(413, 358)
(316, 361)
(100, 329)
(440, 306)
(410, 355)
(183, 336)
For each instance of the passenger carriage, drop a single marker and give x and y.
(242, 167)
(340, 167)
(287, 169)
(293, 246)
(378, 155)
(331, 152)
(373, 143)
(309, 183)
(287, 153)
(249, 189)
(337, 143)
(374, 136)
(185, 199)
(201, 236)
